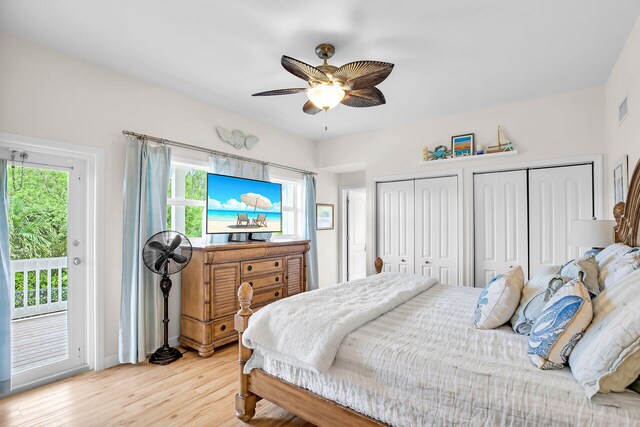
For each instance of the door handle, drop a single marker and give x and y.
(77, 261)
(403, 260)
(427, 262)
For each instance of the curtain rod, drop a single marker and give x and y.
(209, 151)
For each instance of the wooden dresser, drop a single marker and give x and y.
(210, 284)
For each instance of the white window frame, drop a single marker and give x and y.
(178, 166)
(297, 208)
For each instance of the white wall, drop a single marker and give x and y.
(565, 125)
(46, 94)
(625, 138)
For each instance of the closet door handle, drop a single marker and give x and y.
(427, 262)
(403, 260)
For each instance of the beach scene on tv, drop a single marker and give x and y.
(237, 205)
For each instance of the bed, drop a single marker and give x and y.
(423, 363)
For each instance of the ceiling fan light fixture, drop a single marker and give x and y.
(326, 96)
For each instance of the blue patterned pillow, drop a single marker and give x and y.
(560, 325)
(499, 299)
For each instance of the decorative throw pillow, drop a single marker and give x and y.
(499, 299)
(619, 268)
(607, 358)
(560, 326)
(586, 265)
(535, 295)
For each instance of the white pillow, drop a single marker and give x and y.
(586, 265)
(499, 299)
(535, 295)
(608, 356)
(619, 268)
(609, 254)
(560, 326)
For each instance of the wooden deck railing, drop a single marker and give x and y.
(38, 286)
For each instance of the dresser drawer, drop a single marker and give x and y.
(223, 327)
(262, 266)
(267, 296)
(264, 281)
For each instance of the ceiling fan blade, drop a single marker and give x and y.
(364, 98)
(179, 258)
(363, 74)
(157, 246)
(304, 71)
(280, 92)
(175, 243)
(310, 108)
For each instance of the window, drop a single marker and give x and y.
(292, 206)
(187, 201)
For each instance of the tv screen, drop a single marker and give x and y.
(240, 205)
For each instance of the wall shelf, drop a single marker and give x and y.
(466, 158)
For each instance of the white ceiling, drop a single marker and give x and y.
(450, 55)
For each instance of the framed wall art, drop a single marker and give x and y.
(462, 145)
(324, 216)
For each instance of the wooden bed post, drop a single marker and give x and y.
(378, 265)
(245, 400)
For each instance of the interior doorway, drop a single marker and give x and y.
(48, 282)
(353, 233)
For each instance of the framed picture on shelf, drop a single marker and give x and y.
(620, 179)
(462, 145)
(324, 216)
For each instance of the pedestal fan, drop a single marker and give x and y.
(166, 253)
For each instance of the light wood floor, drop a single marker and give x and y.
(191, 391)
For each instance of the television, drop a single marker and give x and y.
(241, 205)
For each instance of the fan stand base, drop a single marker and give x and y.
(165, 355)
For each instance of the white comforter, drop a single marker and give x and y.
(306, 330)
(423, 363)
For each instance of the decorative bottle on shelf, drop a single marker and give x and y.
(479, 150)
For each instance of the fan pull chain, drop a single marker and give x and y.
(326, 119)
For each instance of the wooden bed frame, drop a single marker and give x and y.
(324, 412)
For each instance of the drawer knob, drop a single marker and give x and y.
(277, 294)
(250, 283)
(276, 263)
(249, 268)
(277, 279)
(223, 327)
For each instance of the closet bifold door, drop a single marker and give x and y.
(500, 223)
(436, 228)
(557, 196)
(395, 225)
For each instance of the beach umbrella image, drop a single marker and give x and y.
(257, 201)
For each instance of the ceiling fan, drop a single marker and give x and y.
(352, 85)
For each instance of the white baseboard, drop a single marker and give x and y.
(111, 361)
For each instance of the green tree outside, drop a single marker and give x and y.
(38, 200)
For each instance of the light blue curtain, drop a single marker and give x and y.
(5, 283)
(310, 231)
(146, 180)
(234, 167)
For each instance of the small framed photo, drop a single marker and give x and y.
(620, 179)
(324, 216)
(462, 145)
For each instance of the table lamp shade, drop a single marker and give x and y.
(594, 233)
